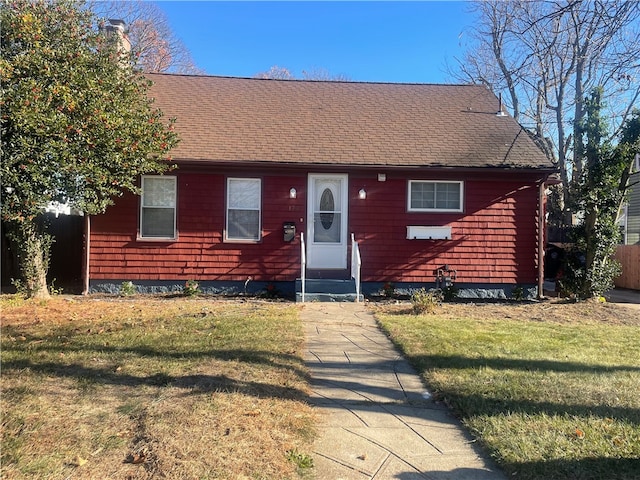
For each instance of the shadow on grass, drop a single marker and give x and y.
(472, 405)
(64, 341)
(583, 469)
(193, 384)
(497, 363)
(477, 404)
(39, 354)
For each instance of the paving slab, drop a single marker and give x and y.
(377, 420)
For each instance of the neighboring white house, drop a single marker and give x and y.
(630, 221)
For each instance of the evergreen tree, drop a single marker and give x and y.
(599, 195)
(77, 125)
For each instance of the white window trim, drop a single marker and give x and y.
(175, 209)
(436, 210)
(230, 239)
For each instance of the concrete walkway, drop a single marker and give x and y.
(377, 420)
(621, 296)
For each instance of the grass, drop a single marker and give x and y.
(142, 388)
(552, 391)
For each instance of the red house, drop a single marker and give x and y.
(276, 175)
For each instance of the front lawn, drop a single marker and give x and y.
(552, 390)
(152, 388)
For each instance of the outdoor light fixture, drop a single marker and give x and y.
(293, 193)
(382, 177)
(362, 194)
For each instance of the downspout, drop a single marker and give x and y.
(85, 259)
(541, 237)
(550, 179)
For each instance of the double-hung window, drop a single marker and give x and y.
(243, 209)
(433, 196)
(158, 207)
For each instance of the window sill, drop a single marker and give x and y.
(241, 240)
(433, 210)
(157, 239)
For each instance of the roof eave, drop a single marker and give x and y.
(361, 166)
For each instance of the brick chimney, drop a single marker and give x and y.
(118, 29)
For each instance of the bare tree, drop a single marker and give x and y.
(322, 74)
(315, 74)
(546, 56)
(276, 73)
(151, 36)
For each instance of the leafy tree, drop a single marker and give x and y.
(77, 126)
(599, 194)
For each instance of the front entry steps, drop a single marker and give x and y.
(327, 290)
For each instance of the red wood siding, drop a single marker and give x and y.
(494, 238)
(200, 252)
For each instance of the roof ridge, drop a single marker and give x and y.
(301, 80)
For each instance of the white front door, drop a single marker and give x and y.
(327, 221)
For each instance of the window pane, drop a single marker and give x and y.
(157, 216)
(244, 224)
(243, 208)
(157, 222)
(158, 192)
(435, 195)
(327, 203)
(422, 195)
(244, 193)
(448, 196)
(324, 231)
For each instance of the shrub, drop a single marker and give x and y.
(127, 288)
(449, 293)
(389, 290)
(518, 293)
(191, 288)
(425, 301)
(271, 291)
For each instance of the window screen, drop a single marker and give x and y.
(243, 208)
(158, 207)
(435, 196)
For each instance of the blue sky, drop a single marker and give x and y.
(365, 41)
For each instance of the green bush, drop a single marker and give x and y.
(449, 294)
(191, 288)
(127, 288)
(424, 301)
(389, 290)
(518, 293)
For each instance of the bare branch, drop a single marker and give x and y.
(547, 54)
(151, 36)
(315, 73)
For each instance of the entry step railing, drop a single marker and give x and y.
(330, 289)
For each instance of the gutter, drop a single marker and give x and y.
(85, 258)
(541, 236)
(549, 180)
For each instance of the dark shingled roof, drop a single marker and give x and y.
(222, 119)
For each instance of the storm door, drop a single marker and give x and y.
(327, 221)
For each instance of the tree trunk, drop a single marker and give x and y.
(33, 246)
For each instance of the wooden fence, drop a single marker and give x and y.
(629, 258)
(65, 268)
